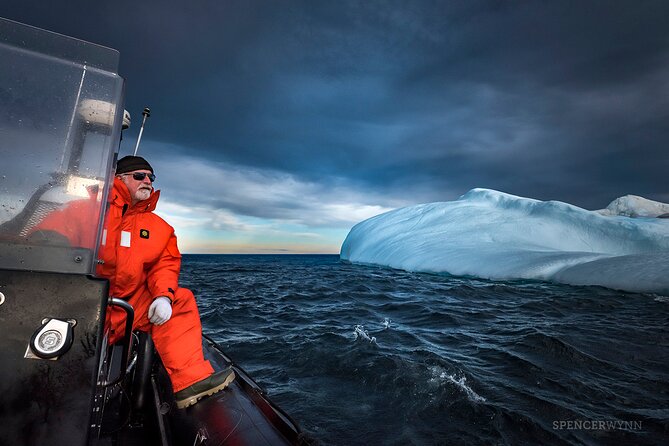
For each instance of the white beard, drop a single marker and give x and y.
(142, 194)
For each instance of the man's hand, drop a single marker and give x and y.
(160, 310)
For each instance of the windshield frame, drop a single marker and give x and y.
(60, 132)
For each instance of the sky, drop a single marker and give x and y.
(278, 125)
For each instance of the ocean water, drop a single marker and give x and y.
(362, 355)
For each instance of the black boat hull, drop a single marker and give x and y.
(241, 414)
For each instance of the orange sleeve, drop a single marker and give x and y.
(72, 222)
(163, 276)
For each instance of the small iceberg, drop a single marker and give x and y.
(494, 235)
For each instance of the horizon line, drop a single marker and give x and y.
(260, 253)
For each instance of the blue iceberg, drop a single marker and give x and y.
(494, 235)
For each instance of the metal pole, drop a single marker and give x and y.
(146, 113)
(69, 129)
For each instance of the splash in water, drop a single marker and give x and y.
(461, 383)
(360, 333)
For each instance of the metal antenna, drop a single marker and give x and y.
(146, 113)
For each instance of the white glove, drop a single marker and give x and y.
(160, 310)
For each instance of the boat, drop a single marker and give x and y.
(61, 382)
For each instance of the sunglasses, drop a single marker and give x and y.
(139, 176)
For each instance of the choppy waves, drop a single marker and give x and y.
(368, 355)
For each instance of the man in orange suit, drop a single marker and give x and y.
(141, 259)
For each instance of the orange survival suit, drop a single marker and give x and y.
(142, 262)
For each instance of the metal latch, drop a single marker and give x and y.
(52, 339)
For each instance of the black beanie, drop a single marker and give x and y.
(130, 163)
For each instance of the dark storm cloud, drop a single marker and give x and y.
(423, 100)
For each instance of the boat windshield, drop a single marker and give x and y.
(60, 122)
